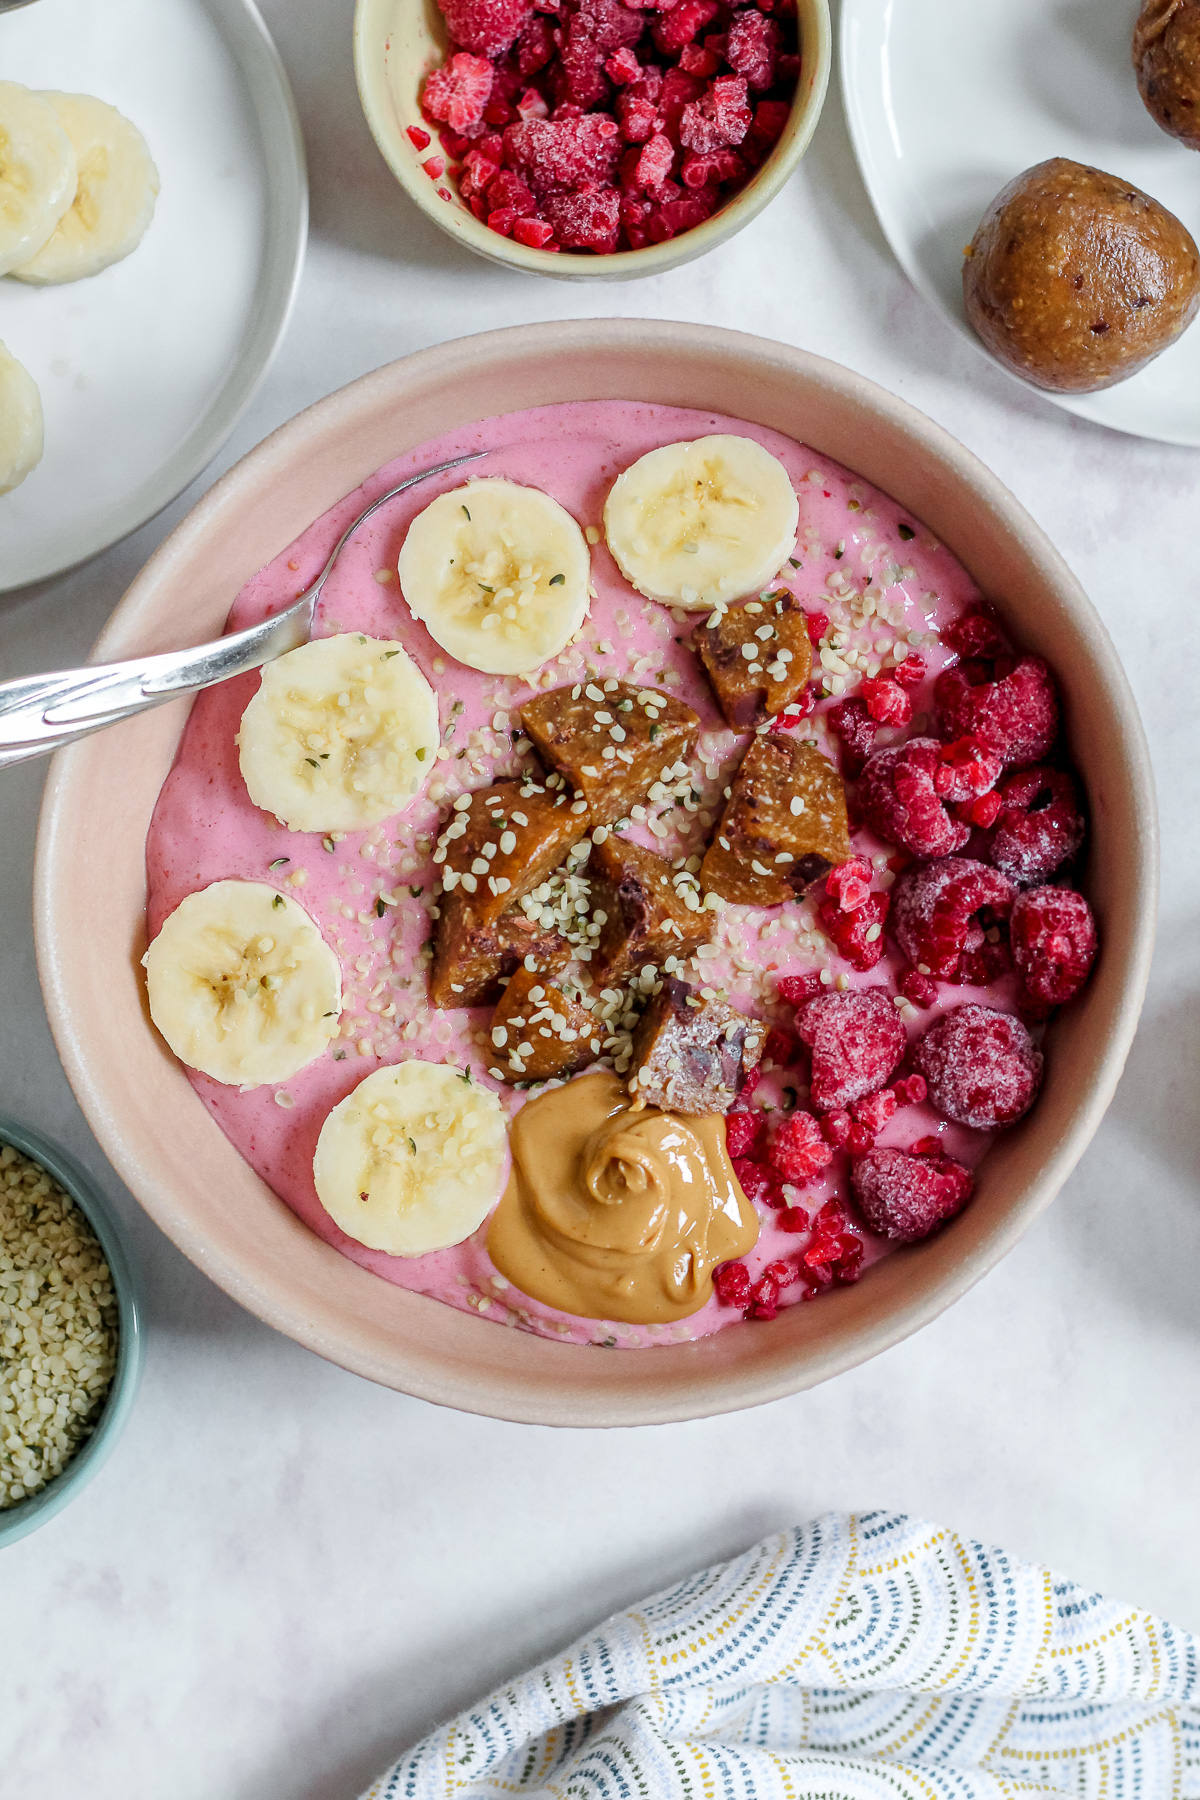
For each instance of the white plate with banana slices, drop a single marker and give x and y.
(160, 139)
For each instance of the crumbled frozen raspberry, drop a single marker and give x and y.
(911, 1090)
(654, 163)
(502, 221)
(744, 1132)
(1054, 943)
(817, 623)
(763, 1301)
(1039, 825)
(434, 167)
(850, 883)
(856, 1040)
(975, 634)
(918, 988)
(968, 770)
(856, 728)
(752, 47)
(623, 66)
(588, 220)
(420, 140)
(680, 212)
(905, 1197)
(746, 1091)
(1015, 716)
(508, 189)
(886, 701)
(609, 23)
(781, 1047)
(564, 153)
(581, 80)
(683, 22)
(488, 27)
(856, 936)
(721, 116)
(477, 176)
(911, 671)
(694, 60)
(982, 812)
(936, 911)
(717, 166)
(678, 90)
(792, 1218)
(981, 1066)
(770, 116)
(732, 1284)
(835, 1251)
(875, 1111)
(798, 1151)
(758, 1182)
(638, 117)
(794, 990)
(535, 234)
(899, 801)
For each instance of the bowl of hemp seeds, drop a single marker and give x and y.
(70, 1331)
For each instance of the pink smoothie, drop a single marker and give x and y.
(875, 570)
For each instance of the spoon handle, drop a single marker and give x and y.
(40, 713)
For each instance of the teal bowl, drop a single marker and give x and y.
(18, 1521)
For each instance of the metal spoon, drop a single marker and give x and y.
(40, 713)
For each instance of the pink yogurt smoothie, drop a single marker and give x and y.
(371, 892)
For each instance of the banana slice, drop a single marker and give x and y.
(114, 198)
(37, 173)
(413, 1160)
(499, 574)
(242, 985)
(342, 733)
(20, 422)
(701, 523)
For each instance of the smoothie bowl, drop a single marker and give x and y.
(711, 931)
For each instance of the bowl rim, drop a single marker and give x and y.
(27, 1515)
(460, 223)
(688, 1381)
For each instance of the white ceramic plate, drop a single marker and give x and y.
(949, 99)
(145, 368)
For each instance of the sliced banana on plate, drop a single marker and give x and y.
(413, 1160)
(242, 985)
(704, 522)
(37, 173)
(113, 198)
(499, 574)
(342, 732)
(20, 422)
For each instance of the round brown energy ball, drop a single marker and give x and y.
(1166, 56)
(1075, 279)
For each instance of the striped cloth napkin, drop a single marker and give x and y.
(857, 1658)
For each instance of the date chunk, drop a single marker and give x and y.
(692, 1055)
(611, 740)
(470, 956)
(758, 658)
(783, 827)
(537, 1032)
(646, 916)
(506, 841)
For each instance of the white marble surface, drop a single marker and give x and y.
(284, 1574)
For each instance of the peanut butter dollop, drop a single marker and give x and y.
(615, 1214)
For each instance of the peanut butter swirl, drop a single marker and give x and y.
(612, 1213)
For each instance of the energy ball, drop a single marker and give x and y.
(1166, 59)
(1075, 279)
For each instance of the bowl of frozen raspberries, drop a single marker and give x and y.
(592, 138)
(672, 929)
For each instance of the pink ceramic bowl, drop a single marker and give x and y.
(91, 881)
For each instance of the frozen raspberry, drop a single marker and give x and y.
(608, 23)
(535, 234)
(850, 883)
(654, 163)
(420, 140)
(968, 770)
(1039, 825)
(721, 117)
(638, 117)
(975, 635)
(856, 728)
(488, 27)
(589, 220)
(856, 1041)
(623, 66)
(763, 1302)
(758, 1182)
(875, 1111)
(681, 212)
(886, 701)
(981, 1066)
(564, 153)
(1016, 716)
(983, 811)
(752, 46)
(732, 1284)
(856, 936)
(905, 1197)
(798, 1151)
(503, 220)
(911, 1091)
(817, 623)
(900, 802)
(918, 988)
(911, 671)
(1054, 943)
(507, 189)
(457, 93)
(478, 175)
(683, 22)
(744, 1132)
(781, 1048)
(792, 1218)
(835, 1251)
(936, 908)
(717, 166)
(580, 79)
(796, 989)
(695, 61)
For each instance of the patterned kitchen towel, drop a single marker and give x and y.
(857, 1658)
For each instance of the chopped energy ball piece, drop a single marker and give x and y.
(905, 1197)
(784, 825)
(505, 840)
(692, 1055)
(470, 956)
(647, 918)
(537, 1032)
(981, 1066)
(758, 657)
(612, 741)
